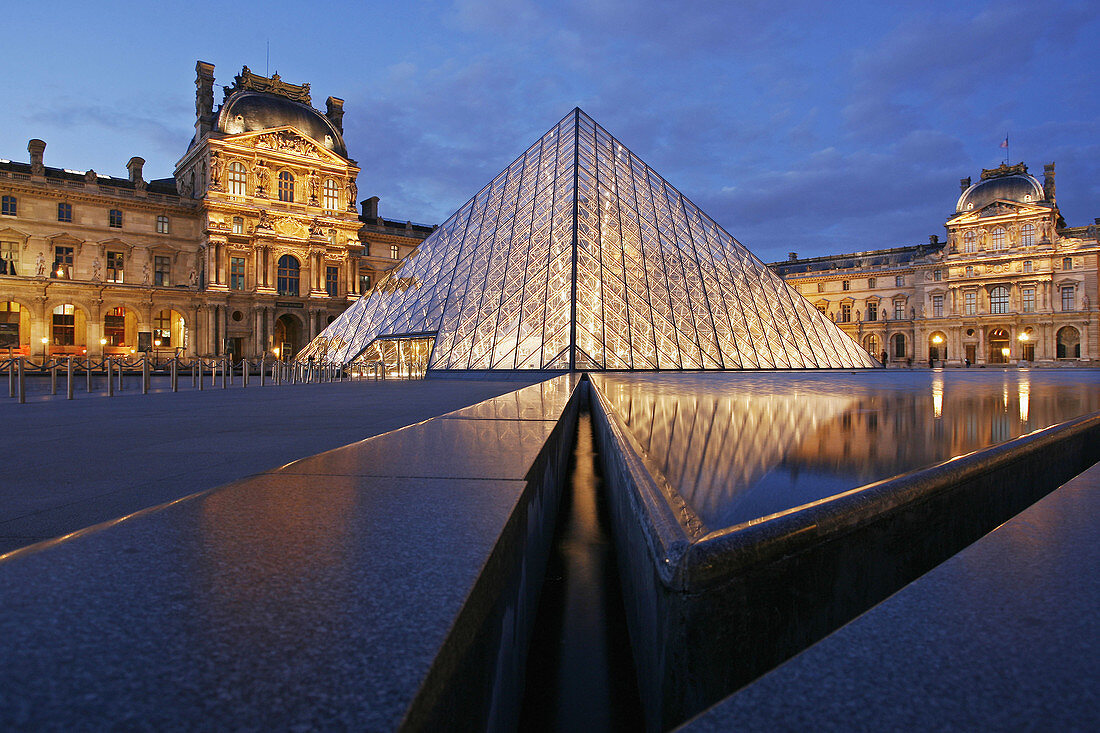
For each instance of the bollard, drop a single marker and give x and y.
(224, 364)
(200, 373)
(11, 377)
(110, 381)
(88, 373)
(69, 380)
(53, 379)
(22, 383)
(145, 374)
(261, 371)
(194, 374)
(244, 372)
(175, 374)
(118, 369)
(213, 373)
(229, 364)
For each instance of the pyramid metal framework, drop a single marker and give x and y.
(578, 256)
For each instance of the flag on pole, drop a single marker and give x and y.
(1004, 143)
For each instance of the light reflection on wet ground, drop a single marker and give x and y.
(746, 445)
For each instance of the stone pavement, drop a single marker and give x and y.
(68, 465)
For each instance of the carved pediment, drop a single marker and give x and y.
(289, 227)
(287, 140)
(997, 208)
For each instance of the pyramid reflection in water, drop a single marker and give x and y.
(579, 256)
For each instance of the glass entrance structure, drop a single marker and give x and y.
(579, 256)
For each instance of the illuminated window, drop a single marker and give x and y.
(64, 325)
(364, 283)
(970, 304)
(162, 225)
(115, 267)
(114, 327)
(236, 273)
(1027, 299)
(1067, 298)
(330, 195)
(937, 306)
(395, 251)
(1067, 263)
(998, 300)
(114, 218)
(845, 312)
(162, 329)
(1027, 235)
(162, 270)
(997, 239)
(332, 278)
(9, 325)
(9, 258)
(8, 206)
(870, 282)
(845, 285)
(288, 276)
(62, 262)
(899, 281)
(970, 242)
(237, 179)
(1027, 265)
(65, 212)
(238, 225)
(286, 186)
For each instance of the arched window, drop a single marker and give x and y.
(114, 326)
(286, 186)
(1069, 343)
(970, 243)
(998, 299)
(997, 238)
(237, 179)
(899, 345)
(288, 275)
(330, 195)
(871, 344)
(1027, 235)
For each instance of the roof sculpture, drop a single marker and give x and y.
(578, 256)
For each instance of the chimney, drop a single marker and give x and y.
(204, 98)
(1048, 182)
(36, 148)
(134, 166)
(334, 110)
(933, 239)
(792, 257)
(964, 183)
(370, 208)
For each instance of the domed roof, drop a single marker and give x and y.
(1020, 187)
(248, 111)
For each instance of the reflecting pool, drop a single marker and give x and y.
(739, 446)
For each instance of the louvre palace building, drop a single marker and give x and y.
(1012, 284)
(251, 247)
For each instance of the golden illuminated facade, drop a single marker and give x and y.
(1011, 285)
(252, 247)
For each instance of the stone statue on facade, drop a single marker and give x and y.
(192, 279)
(261, 173)
(97, 270)
(353, 191)
(215, 170)
(40, 266)
(313, 189)
(265, 220)
(145, 274)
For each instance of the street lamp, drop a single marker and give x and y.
(45, 340)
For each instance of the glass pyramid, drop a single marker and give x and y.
(579, 256)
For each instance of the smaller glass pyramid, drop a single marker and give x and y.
(578, 256)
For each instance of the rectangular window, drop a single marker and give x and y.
(1067, 263)
(1067, 298)
(845, 312)
(1027, 265)
(899, 310)
(870, 282)
(364, 283)
(114, 267)
(114, 218)
(821, 287)
(65, 212)
(821, 309)
(162, 225)
(872, 311)
(899, 281)
(970, 304)
(332, 279)
(8, 205)
(62, 262)
(330, 195)
(238, 225)
(9, 325)
(114, 327)
(845, 285)
(162, 270)
(395, 251)
(937, 275)
(937, 306)
(1027, 299)
(236, 273)
(162, 330)
(64, 325)
(9, 259)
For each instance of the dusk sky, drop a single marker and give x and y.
(803, 126)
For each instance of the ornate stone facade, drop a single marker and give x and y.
(252, 247)
(1012, 283)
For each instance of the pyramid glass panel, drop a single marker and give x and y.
(580, 256)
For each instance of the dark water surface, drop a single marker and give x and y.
(739, 446)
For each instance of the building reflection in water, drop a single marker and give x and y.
(743, 446)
